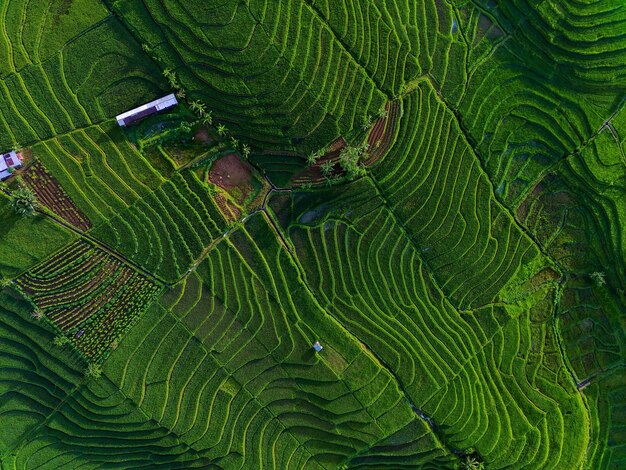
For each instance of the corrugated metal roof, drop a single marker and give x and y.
(146, 109)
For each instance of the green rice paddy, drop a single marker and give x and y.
(466, 281)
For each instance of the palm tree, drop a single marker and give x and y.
(472, 463)
(327, 168)
(234, 142)
(60, 340)
(24, 201)
(312, 158)
(37, 314)
(245, 150)
(222, 130)
(599, 278)
(199, 107)
(207, 120)
(93, 370)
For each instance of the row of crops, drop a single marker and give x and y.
(226, 362)
(52, 418)
(52, 196)
(492, 379)
(168, 229)
(475, 276)
(324, 80)
(434, 183)
(89, 295)
(90, 76)
(101, 172)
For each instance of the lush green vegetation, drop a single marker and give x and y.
(65, 67)
(26, 240)
(166, 231)
(432, 190)
(225, 361)
(89, 295)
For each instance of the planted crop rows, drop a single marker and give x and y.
(234, 343)
(66, 70)
(51, 195)
(436, 187)
(89, 295)
(167, 229)
(332, 64)
(487, 377)
(99, 169)
(52, 417)
(467, 286)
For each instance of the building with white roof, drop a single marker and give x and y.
(134, 115)
(7, 162)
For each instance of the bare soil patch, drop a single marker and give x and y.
(229, 172)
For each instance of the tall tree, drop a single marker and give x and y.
(24, 201)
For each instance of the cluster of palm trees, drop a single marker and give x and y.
(204, 114)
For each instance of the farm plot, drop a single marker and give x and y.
(92, 297)
(52, 196)
(51, 417)
(536, 94)
(102, 173)
(94, 75)
(492, 379)
(166, 230)
(299, 71)
(231, 345)
(278, 72)
(589, 310)
(436, 187)
(26, 241)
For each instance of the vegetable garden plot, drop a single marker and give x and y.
(50, 194)
(91, 296)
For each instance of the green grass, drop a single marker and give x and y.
(26, 241)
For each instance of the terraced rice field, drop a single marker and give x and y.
(240, 378)
(102, 173)
(167, 230)
(467, 286)
(368, 273)
(66, 70)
